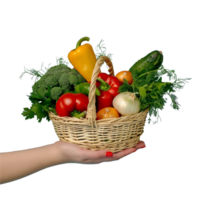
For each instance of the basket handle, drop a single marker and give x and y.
(91, 109)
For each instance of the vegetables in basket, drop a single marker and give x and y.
(149, 88)
(109, 89)
(72, 105)
(84, 88)
(127, 75)
(126, 103)
(50, 86)
(83, 58)
(107, 112)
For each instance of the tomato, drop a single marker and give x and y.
(81, 102)
(69, 102)
(108, 112)
(125, 75)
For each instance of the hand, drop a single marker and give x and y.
(73, 153)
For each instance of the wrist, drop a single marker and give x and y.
(59, 156)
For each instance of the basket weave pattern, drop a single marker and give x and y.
(112, 134)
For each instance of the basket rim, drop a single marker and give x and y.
(122, 119)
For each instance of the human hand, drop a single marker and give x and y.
(72, 153)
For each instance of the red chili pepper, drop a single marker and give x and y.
(72, 105)
(109, 89)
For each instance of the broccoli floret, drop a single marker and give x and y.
(81, 78)
(56, 92)
(58, 74)
(58, 67)
(54, 68)
(42, 91)
(40, 83)
(74, 71)
(64, 79)
(67, 88)
(66, 69)
(73, 80)
(51, 81)
(35, 87)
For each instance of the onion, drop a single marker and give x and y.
(126, 103)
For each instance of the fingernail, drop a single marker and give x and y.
(143, 146)
(109, 154)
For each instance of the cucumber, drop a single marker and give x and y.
(151, 61)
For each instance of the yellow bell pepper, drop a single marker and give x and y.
(83, 58)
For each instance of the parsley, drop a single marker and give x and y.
(153, 88)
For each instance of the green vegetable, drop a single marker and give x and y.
(154, 90)
(50, 86)
(151, 61)
(78, 114)
(70, 92)
(84, 88)
(148, 86)
(56, 92)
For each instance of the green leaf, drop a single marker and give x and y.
(159, 85)
(53, 110)
(47, 101)
(153, 96)
(142, 92)
(125, 87)
(39, 111)
(35, 95)
(46, 108)
(28, 113)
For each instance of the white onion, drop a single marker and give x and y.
(126, 103)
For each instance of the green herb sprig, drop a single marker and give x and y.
(152, 92)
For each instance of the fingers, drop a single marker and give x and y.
(100, 156)
(95, 155)
(128, 151)
(140, 144)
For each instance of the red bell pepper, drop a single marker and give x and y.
(109, 89)
(72, 105)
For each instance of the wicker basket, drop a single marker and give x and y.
(114, 134)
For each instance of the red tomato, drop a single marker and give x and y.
(69, 102)
(81, 102)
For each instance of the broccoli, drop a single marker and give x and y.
(73, 79)
(42, 91)
(51, 81)
(66, 70)
(58, 74)
(35, 87)
(56, 81)
(74, 71)
(81, 79)
(64, 81)
(56, 92)
(55, 68)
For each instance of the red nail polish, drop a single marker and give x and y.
(109, 154)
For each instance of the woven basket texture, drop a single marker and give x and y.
(112, 134)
